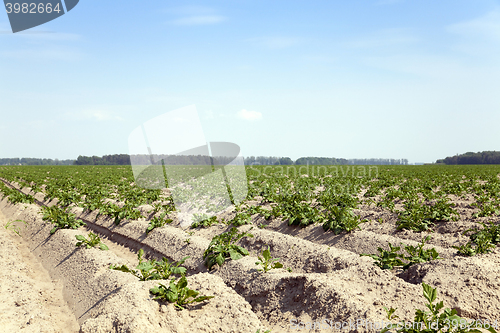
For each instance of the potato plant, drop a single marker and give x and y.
(203, 220)
(222, 247)
(481, 241)
(158, 221)
(93, 241)
(153, 269)
(178, 293)
(15, 196)
(340, 219)
(267, 262)
(386, 259)
(392, 259)
(62, 219)
(435, 320)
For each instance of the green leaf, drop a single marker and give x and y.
(191, 293)
(235, 255)
(182, 283)
(122, 268)
(202, 298)
(266, 254)
(429, 293)
(220, 259)
(241, 250)
(278, 265)
(178, 270)
(145, 266)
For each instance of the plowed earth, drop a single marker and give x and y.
(329, 283)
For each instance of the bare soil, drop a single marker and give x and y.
(329, 280)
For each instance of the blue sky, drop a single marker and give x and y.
(352, 79)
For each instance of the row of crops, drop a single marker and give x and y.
(421, 196)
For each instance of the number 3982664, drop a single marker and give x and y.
(31, 8)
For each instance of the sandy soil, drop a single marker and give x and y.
(30, 301)
(328, 279)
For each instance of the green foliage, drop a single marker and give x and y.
(222, 246)
(387, 203)
(387, 259)
(392, 259)
(153, 269)
(301, 214)
(433, 321)
(241, 218)
(482, 241)
(11, 226)
(93, 241)
(275, 211)
(203, 220)
(330, 198)
(14, 196)
(62, 219)
(178, 293)
(417, 254)
(297, 198)
(127, 212)
(372, 191)
(487, 206)
(267, 262)
(390, 313)
(342, 219)
(158, 221)
(418, 216)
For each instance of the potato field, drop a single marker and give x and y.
(311, 248)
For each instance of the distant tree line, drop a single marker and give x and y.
(485, 157)
(268, 160)
(180, 159)
(323, 161)
(378, 161)
(125, 159)
(119, 159)
(34, 161)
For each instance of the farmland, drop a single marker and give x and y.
(342, 242)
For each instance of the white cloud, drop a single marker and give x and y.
(199, 20)
(194, 15)
(190, 10)
(101, 115)
(249, 115)
(275, 42)
(487, 26)
(96, 115)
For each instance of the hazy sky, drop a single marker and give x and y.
(408, 79)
